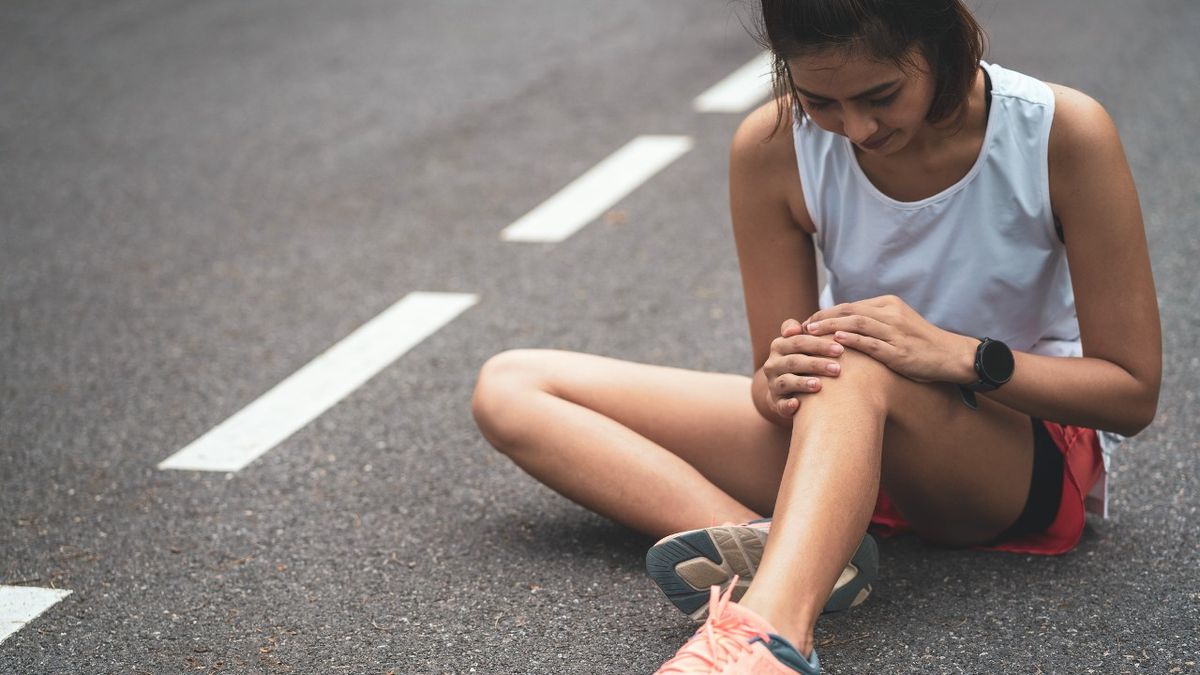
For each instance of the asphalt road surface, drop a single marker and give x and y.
(198, 199)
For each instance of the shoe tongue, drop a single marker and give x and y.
(750, 617)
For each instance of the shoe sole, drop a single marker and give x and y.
(686, 565)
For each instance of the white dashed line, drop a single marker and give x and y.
(320, 384)
(21, 604)
(594, 192)
(740, 91)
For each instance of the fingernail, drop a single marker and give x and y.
(812, 382)
(833, 368)
(814, 327)
(836, 348)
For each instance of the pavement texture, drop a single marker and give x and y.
(198, 198)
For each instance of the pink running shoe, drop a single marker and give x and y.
(735, 640)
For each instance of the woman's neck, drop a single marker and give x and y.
(938, 156)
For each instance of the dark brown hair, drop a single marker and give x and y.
(949, 38)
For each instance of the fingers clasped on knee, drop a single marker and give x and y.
(861, 375)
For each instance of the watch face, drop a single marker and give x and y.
(997, 362)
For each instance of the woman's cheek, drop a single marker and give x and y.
(826, 121)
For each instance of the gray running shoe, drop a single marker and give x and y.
(686, 564)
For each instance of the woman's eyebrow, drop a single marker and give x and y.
(870, 92)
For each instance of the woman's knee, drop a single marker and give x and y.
(864, 376)
(505, 383)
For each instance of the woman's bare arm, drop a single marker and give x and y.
(775, 251)
(1116, 385)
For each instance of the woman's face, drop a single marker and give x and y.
(877, 104)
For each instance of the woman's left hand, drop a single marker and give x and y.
(893, 333)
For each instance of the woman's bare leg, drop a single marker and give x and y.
(960, 476)
(658, 449)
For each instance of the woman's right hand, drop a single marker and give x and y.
(794, 364)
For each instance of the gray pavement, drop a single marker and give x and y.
(198, 198)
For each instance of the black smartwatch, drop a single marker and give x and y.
(993, 366)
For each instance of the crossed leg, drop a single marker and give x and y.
(664, 450)
(658, 449)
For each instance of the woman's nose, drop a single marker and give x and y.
(859, 127)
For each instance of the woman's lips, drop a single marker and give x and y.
(876, 144)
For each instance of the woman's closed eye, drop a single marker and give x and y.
(822, 104)
(885, 101)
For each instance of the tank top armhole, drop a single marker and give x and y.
(809, 195)
(1052, 228)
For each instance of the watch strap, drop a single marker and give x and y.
(968, 397)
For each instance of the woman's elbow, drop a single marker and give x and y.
(1143, 416)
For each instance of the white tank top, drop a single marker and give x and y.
(980, 258)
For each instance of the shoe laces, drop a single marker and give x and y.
(757, 523)
(721, 640)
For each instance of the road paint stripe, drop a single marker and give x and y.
(593, 193)
(739, 92)
(320, 384)
(21, 604)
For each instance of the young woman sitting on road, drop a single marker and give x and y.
(955, 378)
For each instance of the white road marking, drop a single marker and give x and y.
(320, 384)
(590, 195)
(739, 92)
(21, 604)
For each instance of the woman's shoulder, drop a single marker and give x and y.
(763, 155)
(1081, 127)
(763, 141)
(1077, 120)
(1077, 113)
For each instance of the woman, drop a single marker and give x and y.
(949, 381)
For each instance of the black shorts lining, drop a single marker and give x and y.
(1045, 486)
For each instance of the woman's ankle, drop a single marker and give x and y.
(787, 622)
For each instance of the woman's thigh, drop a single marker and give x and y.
(707, 419)
(959, 476)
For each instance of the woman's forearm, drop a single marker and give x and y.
(1088, 392)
